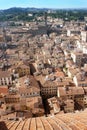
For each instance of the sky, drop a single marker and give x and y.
(5, 4)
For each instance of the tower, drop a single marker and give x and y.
(4, 34)
(45, 17)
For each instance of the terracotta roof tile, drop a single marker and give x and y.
(32, 124)
(3, 89)
(27, 124)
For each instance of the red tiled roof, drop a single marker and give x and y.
(3, 89)
(5, 74)
(71, 91)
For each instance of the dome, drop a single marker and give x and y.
(70, 121)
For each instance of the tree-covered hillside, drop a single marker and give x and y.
(16, 14)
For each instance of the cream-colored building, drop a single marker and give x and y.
(84, 36)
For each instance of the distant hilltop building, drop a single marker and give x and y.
(85, 18)
(51, 11)
(30, 15)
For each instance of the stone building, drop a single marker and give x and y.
(5, 78)
(49, 89)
